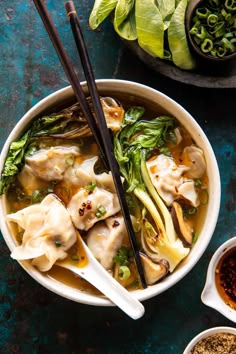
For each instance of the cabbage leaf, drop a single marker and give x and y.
(150, 27)
(101, 9)
(124, 19)
(167, 8)
(177, 38)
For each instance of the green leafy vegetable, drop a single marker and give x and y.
(158, 26)
(14, 161)
(150, 27)
(132, 145)
(177, 38)
(166, 8)
(66, 120)
(101, 9)
(124, 19)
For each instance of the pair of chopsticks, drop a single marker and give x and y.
(98, 126)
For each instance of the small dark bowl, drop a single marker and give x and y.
(206, 62)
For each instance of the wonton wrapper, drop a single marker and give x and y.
(48, 232)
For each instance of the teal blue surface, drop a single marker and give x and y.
(32, 319)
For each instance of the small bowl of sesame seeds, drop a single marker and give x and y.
(220, 287)
(216, 340)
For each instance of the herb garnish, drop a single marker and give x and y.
(101, 211)
(91, 186)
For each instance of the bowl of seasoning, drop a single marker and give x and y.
(220, 287)
(211, 33)
(216, 340)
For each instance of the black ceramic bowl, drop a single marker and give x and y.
(206, 62)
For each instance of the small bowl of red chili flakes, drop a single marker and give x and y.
(220, 287)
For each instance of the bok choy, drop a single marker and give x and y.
(69, 123)
(49, 125)
(137, 141)
(157, 25)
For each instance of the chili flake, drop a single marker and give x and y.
(115, 223)
(226, 277)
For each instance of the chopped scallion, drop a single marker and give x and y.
(91, 186)
(101, 211)
(58, 243)
(124, 273)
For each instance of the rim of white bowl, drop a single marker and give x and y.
(174, 108)
(206, 333)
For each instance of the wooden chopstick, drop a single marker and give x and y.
(100, 131)
(109, 152)
(70, 73)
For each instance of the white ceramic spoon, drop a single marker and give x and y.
(91, 270)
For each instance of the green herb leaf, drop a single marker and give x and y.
(91, 186)
(121, 256)
(39, 194)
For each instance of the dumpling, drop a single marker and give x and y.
(166, 176)
(168, 179)
(51, 164)
(187, 191)
(193, 157)
(105, 239)
(82, 173)
(88, 207)
(105, 181)
(29, 182)
(48, 232)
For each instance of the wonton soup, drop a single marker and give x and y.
(57, 186)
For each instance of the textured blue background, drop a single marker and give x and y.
(33, 320)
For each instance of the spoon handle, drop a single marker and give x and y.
(104, 282)
(95, 274)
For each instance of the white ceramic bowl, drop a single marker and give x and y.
(210, 295)
(168, 106)
(207, 333)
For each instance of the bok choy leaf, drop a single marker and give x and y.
(14, 161)
(101, 9)
(124, 19)
(132, 146)
(150, 27)
(43, 126)
(177, 38)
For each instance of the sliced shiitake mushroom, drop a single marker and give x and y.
(154, 271)
(182, 228)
